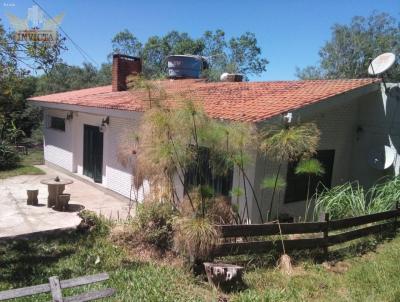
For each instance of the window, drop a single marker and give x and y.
(296, 188)
(221, 183)
(57, 123)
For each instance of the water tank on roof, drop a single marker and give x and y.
(185, 66)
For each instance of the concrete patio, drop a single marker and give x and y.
(17, 218)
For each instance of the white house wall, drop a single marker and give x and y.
(65, 149)
(58, 144)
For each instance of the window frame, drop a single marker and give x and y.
(327, 159)
(52, 126)
(221, 184)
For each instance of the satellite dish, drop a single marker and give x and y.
(381, 63)
(381, 158)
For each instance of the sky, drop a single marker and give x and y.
(289, 32)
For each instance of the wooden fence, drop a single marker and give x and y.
(55, 287)
(238, 238)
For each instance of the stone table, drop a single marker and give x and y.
(56, 187)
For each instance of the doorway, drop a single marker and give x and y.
(93, 152)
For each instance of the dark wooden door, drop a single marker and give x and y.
(92, 152)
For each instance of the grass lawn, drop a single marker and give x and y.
(34, 157)
(373, 276)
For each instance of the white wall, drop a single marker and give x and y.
(57, 143)
(65, 149)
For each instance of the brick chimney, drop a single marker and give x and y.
(122, 67)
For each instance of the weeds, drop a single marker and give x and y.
(351, 199)
(369, 277)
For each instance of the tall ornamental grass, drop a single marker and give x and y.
(351, 199)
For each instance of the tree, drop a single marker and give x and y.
(65, 77)
(17, 60)
(245, 55)
(126, 43)
(17, 56)
(239, 54)
(351, 48)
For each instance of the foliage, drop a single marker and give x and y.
(21, 170)
(373, 277)
(287, 142)
(35, 138)
(9, 157)
(310, 166)
(17, 61)
(239, 54)
(351, 199)
(25, 167)
(272, 182)
(221, 211)
(352, 46)
(31, 262)
(126, 43)
(16, 56)
(17, 118)
(154, 93)
(195, 236)
(154, 223)
(100, 224)
(218, 209)
(171, 142)
(65, 77)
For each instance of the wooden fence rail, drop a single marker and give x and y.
(322, 238)
(55, 287)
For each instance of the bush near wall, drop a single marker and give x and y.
(9, 157)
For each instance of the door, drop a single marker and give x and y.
(92, 152)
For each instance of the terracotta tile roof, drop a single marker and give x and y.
(245, 101)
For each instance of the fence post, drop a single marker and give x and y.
(55, 289)
(326, 236)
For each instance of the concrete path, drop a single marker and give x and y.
(17, 218)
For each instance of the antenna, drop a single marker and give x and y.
(381, 158)
(381, 64)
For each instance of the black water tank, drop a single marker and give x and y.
(185, 66)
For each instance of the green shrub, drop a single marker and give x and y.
(195, 237)
(351, 199)
(9, 157)
(98, 224)
(154, 223)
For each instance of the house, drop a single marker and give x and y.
(356, 117)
